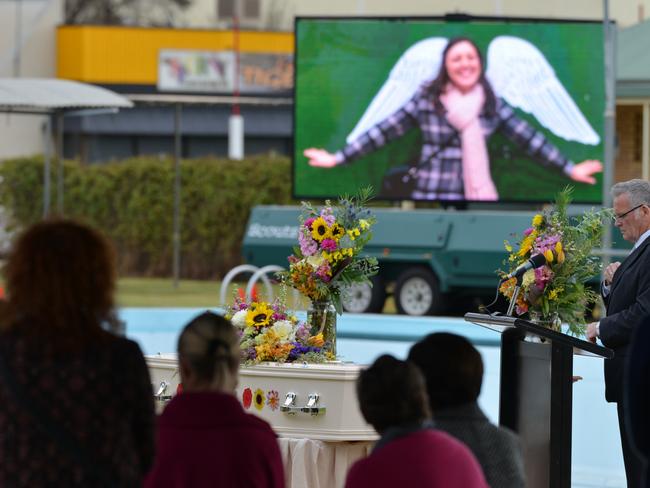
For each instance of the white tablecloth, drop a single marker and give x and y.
(319, 464)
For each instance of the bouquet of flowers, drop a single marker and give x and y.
(328, 257)
(268, 332)
(557, 291)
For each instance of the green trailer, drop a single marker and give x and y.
(425, 256)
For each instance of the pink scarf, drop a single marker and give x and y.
(462, 113)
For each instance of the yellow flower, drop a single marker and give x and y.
(507, 245)
(538, 220)
(316, 261)
(526, 246)
(552, 295)
(337, 231)
(364, 224)
(320, 230)
(258, 315)
(560, 252)
(528, 278)
(316, 341)
(548, 254)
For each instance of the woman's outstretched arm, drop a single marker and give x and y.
(378, 136)
(536, 145)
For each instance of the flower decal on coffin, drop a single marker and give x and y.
(273, 400)
(247, 398)
(259, 399)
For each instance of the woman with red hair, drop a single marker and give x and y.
(76, 404)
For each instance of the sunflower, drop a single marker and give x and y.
(260, 400)
(320, 230)
(337, 231)
(526, 245)
(259, 315)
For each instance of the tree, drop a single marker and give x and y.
(123, 12)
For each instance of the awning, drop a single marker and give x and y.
(46, 95)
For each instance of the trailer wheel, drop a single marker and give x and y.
(363, 298)
(417, 292)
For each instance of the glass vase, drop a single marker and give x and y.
(551, 321)
(321, 317)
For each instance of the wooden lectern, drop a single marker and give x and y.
(536, 393)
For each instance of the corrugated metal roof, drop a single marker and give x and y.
(48, 95)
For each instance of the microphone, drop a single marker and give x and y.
(534, 262)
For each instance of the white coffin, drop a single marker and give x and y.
(281, 393)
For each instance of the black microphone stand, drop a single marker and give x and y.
(515, 294)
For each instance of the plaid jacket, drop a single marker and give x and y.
(440, 173)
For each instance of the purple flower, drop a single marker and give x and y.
(299, 350)
(308, 246)
(302, 333)
(528, 231)
(309, 221)
(546, 242)
(328, 244)
(323, 272)
(327, 215)
(543, 275)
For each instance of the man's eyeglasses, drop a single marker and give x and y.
(625, 214)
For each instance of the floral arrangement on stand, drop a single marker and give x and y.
(269, 332)
(328, 258)
(556, 293)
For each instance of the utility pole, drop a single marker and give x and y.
(610, 126)
(18, 34)
(236, 121)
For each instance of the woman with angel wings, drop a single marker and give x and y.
(460, 108)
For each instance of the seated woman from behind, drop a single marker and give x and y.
(410, 452)
(453, 371)
(205, 439)
(76, 404)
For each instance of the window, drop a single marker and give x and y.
(248, 9)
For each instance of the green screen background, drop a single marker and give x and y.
(342, 63)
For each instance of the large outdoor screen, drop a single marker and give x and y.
(434, 110)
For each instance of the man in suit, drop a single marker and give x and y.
(637, 395)
(626, 292)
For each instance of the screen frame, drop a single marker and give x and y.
(449, 18)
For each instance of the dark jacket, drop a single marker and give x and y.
(637, 394)
(206, 439)
(100, 398)
(628, 307)
(497, 449)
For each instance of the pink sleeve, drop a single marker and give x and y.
(468, 467)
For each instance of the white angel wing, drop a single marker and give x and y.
(419, 63)
(520, 74)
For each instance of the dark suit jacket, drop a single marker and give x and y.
(637, 392)
(497, 449)
(628, 307)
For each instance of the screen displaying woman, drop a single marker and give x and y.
(456, 113)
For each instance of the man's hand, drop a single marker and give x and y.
(609, 272)
(592, 332)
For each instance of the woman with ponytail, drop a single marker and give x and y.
(205, 439)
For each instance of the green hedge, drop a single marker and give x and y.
(132, 202)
